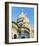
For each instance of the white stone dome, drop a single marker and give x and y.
(22, 15)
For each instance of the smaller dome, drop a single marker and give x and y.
(14, 25)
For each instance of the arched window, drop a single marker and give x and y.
(15, 36)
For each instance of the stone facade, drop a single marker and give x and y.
(23, 28)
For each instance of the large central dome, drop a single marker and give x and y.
(23, 20)
(23, 15)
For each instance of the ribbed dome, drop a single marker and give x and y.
(22, 15)
(23, 20)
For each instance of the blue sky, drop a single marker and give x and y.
(27, 11)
